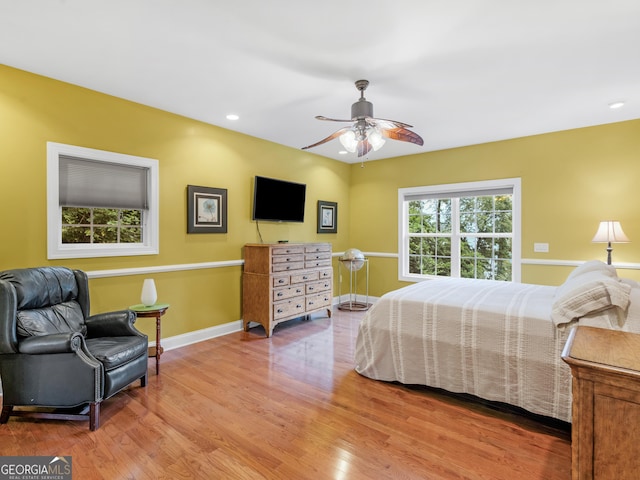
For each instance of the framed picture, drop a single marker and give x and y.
(327, 217)
(206, 209)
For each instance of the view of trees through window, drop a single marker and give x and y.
(101, 225)
(470, 237)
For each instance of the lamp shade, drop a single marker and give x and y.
(610, 232)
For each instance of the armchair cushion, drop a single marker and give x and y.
(113, 352)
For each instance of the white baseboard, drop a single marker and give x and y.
(196, 336)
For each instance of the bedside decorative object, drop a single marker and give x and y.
(610, 232)
(149, 294)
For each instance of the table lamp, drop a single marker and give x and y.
(610, 232)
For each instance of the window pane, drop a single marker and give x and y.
(443, 246)
(76, 216)
(105, 235)
(414, 264)
(105, 216)
(428, 266)
(443, 267)
(502, 248)
(131, 235)
(76, 235)
(467, 204)
(415, 244)
(131, 217)
(483, 269)
(503, 222)
(415, 225)
(429, 224)
(468, 223)
(429, 246)
(485, 222)
(503, 270)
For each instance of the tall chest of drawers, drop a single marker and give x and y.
(285, 281)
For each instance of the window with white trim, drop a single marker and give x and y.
(100, 203)
(469, 230)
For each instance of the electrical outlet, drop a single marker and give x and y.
(541, 247)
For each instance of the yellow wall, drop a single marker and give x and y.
(34, 110)
(571, 180)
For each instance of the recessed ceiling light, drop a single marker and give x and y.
(343, 152)
(232, 116)
(616, 105)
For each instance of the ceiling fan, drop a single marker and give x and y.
(367, 132)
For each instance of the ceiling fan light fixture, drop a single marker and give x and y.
(375, 139)
(348, 141)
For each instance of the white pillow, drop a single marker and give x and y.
(593, 266)
(588, 293)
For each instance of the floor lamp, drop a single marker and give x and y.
(610, 232)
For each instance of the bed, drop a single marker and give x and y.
(499, 341)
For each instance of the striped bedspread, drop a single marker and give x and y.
(487, 338)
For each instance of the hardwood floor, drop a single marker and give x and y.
(291, 407)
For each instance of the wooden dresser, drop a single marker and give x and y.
(285, 281)
(606, 403)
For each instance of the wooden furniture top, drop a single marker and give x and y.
(604, 349)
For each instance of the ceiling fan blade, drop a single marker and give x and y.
(320, 117)
(384, 123)
(403, 135)
(364, 147)
(329, 138)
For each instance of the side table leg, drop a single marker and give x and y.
(158, 346)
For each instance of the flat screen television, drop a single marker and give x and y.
(278, 200)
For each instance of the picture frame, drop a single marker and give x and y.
(327, 217)
(206, 209)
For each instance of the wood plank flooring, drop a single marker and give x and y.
(292, 407)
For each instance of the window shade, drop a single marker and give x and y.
(90, 183)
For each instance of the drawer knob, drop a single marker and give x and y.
(279, 310)
(279, 294)
(298, 306)
(298, 291)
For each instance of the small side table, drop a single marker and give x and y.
(154, 311)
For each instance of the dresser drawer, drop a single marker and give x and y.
(320, 286)
(324, 247)
(317, 256)
(280, 281)
(326, 273)
(287, 292)
(288, 308)
(277, 259)
(275, 251)
(318, 301)
(285, 267)
(305, 277)
(317, 263)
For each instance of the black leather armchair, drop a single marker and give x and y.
(54, 355)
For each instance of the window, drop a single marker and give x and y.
(100, 203)
(469, 230)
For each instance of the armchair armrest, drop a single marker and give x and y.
(112, 324)
(68, 342)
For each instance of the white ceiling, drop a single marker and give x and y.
(461, 72)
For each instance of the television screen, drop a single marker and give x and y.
(278, 200)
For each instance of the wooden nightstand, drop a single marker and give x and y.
(606, 403)
(154, 311)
